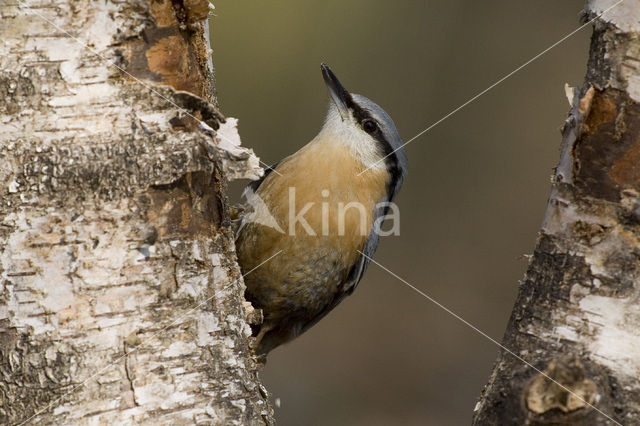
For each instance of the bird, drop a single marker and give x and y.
(316, 217)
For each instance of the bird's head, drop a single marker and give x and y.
(365, 127)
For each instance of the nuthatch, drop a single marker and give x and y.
(342, 182)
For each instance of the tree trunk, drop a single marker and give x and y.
(577, 312)
(120, 296)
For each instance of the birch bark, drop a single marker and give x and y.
(120, 297)
(578, 308)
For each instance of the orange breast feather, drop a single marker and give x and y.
(321, 181)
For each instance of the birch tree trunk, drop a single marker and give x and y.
(120, 297)
(577, 314)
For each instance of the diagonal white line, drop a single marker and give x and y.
(103, 369)
(482, 333)
(492, 86)
(112, 63)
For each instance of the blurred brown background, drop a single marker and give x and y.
(472, 203)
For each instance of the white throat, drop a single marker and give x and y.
(348, 132)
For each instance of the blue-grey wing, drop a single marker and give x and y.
(371, 243)
(367, 252)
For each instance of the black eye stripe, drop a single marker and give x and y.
(361, 114)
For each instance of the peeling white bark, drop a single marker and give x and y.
(623, 14)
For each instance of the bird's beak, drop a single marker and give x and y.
(339, 94)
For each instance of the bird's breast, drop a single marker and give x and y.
(320, 192)
(324, 211)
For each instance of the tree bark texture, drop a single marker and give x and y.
(577, 314)
(120, 297)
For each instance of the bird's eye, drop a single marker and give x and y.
(369, 125)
